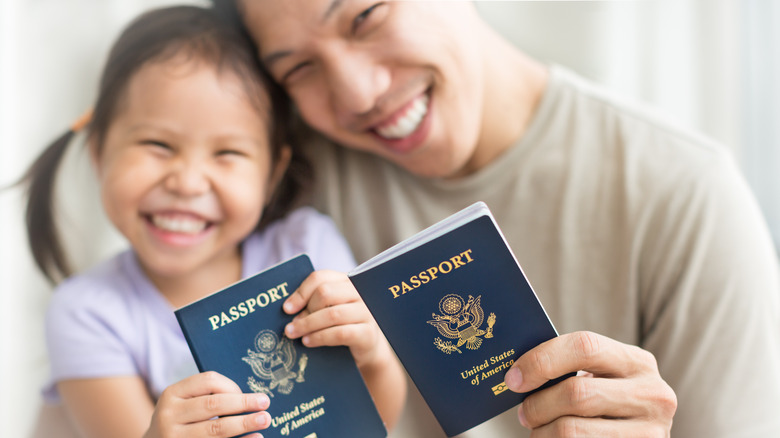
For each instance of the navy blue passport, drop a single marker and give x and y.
(239, 333)
(458, 311)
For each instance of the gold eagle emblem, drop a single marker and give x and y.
(273, 362)
(461, 320)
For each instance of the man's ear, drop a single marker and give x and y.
(277, 171)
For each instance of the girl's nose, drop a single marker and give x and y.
(187, 179)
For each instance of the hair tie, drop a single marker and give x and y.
(82, 121)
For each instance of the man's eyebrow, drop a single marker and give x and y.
(270, 59)
(335, 4)
(273, 57)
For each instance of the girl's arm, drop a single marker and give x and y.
(117, 406)
(331, 312)
(121, 407)
(386, 381)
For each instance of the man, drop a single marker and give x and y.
(642, 234)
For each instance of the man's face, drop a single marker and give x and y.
(402, 80)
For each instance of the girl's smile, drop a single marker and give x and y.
(185, 168)
(179, 229)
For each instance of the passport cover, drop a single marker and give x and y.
(458, 311)
(239, 333)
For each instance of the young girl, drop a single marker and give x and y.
(190, 143)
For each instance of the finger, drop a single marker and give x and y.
(602, 356)
(349, 313)
(597, 428)
(332, 293)
(300, 298)
(585, 397)
(352, 335)
(208, 382)
(302, 314)
(230, 426)
(202, 408)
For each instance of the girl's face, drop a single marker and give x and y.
(185, 168)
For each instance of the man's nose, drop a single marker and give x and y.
(356, 81)
(187, 178)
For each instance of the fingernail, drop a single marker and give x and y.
(288, 306)
(521, 417)
(289, 329)
(263, 401)
(513, 379)
(263, 419)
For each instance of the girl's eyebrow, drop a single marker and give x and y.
(146, 126)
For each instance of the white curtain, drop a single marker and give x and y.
(760, 109)
(708, 64)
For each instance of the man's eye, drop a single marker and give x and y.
(294, 71)
(364, 16)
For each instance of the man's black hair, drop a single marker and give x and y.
(228, 11)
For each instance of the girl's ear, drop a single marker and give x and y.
(94, 155)
(277, 172)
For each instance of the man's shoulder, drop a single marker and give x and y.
(628, 132)
(623, 115)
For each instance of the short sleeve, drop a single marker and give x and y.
(304, 230)
(326, 246)
(83, 334)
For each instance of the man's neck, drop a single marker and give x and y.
(514, 85)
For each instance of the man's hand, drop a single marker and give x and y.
(618, 392)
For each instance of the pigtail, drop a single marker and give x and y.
(42, 233)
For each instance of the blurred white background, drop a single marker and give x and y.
(712, 65)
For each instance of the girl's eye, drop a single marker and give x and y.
(364, 18)
(156, 143)
(230, 152)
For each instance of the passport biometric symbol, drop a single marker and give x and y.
(273, 362)
(461, 320)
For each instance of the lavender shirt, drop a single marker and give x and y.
(111, 321)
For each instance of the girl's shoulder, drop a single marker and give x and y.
(300, 228)
(304, 230)
(303, 219)
(104, 288)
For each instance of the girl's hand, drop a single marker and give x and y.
(190, 408)
(332, 313)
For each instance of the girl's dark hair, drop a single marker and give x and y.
(199, 34)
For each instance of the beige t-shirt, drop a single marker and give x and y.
(626, 226)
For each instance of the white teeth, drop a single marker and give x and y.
(409, 122)
(179, 224)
